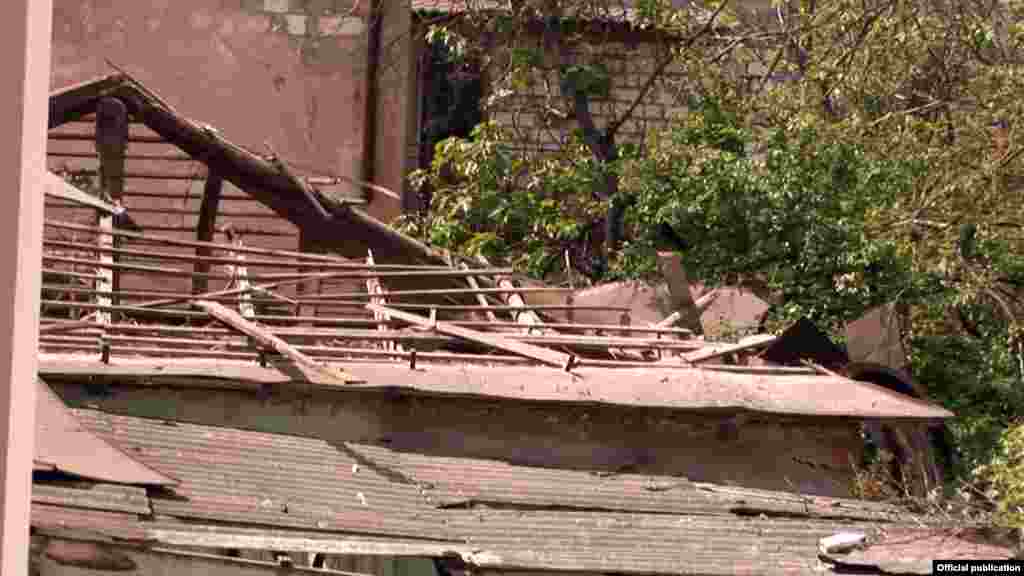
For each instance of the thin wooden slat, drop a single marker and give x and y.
(550, 357)
(752, 342)
(313, 371)
(480, 298)
(355, 275)
(209, 259)
(302, 333)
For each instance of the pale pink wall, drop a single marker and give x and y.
(289, 72)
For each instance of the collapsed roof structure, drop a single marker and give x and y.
(242, 414)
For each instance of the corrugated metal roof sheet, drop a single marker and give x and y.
(110, 497)
(455, 482)
(93, 522)
(62, 444)
(253, 490)
(651, 543)
(247, 477)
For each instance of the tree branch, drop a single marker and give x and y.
(660, 69)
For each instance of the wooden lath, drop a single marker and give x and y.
(543, 355)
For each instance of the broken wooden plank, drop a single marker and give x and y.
(671, 267)
(111, 145)
(480, 298)
(550, 357)
(748, 343)
(701, 305)
(310, 369)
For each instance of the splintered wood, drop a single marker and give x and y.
(312, 371)
(544, 355)
(240, 277)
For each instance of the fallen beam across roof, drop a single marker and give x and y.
(311, 370)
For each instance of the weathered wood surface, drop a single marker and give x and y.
(718, 351)
(481, 299)
(312, 370)
(549, 357)
(303, 333)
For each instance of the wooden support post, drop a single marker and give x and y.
(111, 146)
(312, 286)
(206, 228)
(25, 60)
(526, 317)
(240, 276)
(480, 298)
(105, 285)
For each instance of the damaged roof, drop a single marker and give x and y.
(63, 445)
(684, 388)
(374, 339)
(242, 489)
(264, 178)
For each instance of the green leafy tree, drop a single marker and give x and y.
(838, 154)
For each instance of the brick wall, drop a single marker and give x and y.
(312, 19)
(629, 66)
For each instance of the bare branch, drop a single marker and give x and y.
(660, 69)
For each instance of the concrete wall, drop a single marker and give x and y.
(288, 72)
(791, 454)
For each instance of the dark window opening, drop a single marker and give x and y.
(450, 93)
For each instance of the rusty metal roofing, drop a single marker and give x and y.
(680, 388)
(61, 444)
(237, 476)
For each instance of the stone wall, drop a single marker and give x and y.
(629, 64)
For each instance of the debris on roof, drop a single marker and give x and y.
(258, 491)
(62, 445)
(901, 550)
(151, 310)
